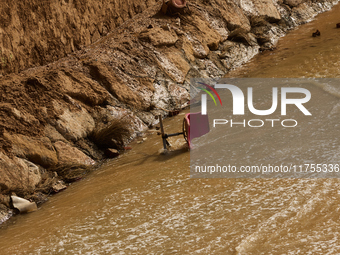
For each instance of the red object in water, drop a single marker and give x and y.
(127, 148)
(173, 6)
(195, 125)
(178, 3)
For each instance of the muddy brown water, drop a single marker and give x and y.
(145, 203)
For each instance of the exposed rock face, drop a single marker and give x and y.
(68, 154)
(17, 173)
(261, 8)
(33, 33)
(140, 70)
(37, 150)
(159, 36)
(75, 125)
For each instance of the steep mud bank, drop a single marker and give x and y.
(139, 70)
(34, 33)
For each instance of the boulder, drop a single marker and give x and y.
(53, 134)
(37, 150)
(74, 125)
(17, 173)
(210, 36)
(232, 13)
(262, 8)
(69, 155)
(79, 88)
(32, 170)
(158, 36)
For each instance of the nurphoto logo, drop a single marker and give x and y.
(264, 128)
(238, 99)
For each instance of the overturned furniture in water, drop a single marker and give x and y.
(173, 6)
(194, 125)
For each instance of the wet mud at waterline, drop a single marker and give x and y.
(145, 202)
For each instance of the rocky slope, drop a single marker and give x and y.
(50, 114)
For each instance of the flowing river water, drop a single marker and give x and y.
(145, 202)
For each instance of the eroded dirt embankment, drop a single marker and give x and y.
(52, 116)
(34, 33)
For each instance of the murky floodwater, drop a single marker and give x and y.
(145, 203)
